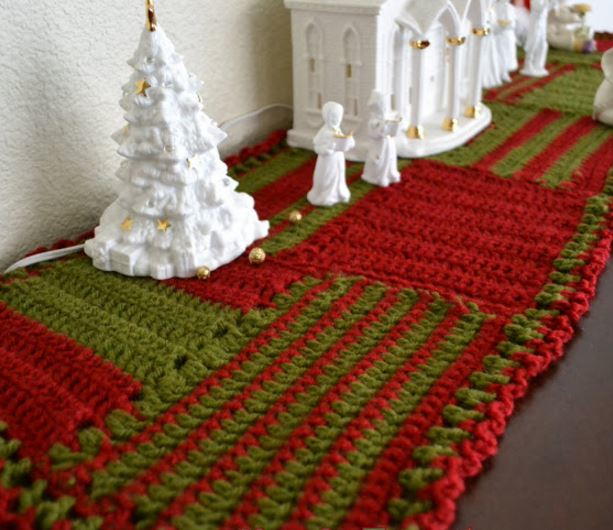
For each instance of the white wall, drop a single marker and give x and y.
(62, 64)
(601, 17)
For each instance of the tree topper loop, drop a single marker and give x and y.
(151, 17)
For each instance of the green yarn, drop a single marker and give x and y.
(126, 468)
(286, 162)
(317, 218)
(307, 458)
(252, 464)
(351, 474)
(507, 121)
(567, 57)
(571, 94)
(568, 165)
(15, 474)
(171, 343)
(519, 156)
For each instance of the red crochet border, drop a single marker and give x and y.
(486, 434)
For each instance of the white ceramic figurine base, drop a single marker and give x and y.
(603, 102)
(178, 211)
(381, 166)
(536, 41)
(425, 57)
(329, 183)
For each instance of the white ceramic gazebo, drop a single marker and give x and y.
(424, 55)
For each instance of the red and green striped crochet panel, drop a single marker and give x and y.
(354, 380)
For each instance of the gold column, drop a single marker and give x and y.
(450, 123)
(416, 129)
(474, 108)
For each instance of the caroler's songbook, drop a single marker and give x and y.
(343, 142)
(392, 126)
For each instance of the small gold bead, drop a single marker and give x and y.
(203, 273)
(257, 256)
(295, 216)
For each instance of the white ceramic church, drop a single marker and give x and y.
(424, 55)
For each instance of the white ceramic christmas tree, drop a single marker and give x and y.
(178, 214)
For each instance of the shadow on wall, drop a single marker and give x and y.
(58, 149)
(270, 72)
(50, 162)
(61, 84)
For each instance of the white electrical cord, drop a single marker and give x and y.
(234, 121)
(43, 256)
(56, 254)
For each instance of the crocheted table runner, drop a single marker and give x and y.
(355, 379)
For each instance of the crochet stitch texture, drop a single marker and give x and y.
(355, 379)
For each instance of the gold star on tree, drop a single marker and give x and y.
(141, 87)
(127, 225)
(192, 162)
(163, 225)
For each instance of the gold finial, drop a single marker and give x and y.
(456, 41)
(420, 44)
(481, 32)
(152, 21)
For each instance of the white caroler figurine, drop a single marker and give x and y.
(506, 20)
(329, 184)
(495, 72)
(178, 214)
(603, 103)
(536, 40)
(424, 56)
(567, 28)
(381, 166)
